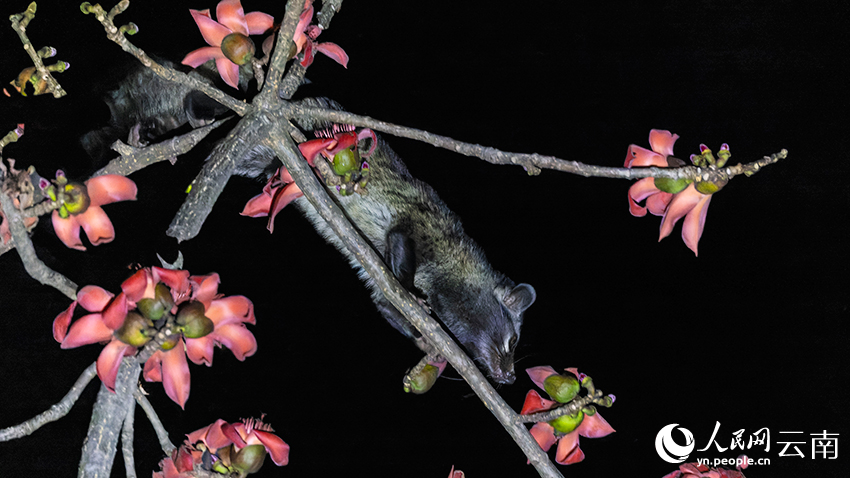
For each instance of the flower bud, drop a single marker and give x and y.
(562, 388)
(170, 342)
(136, 330)
(710, 187)
(589, 410)
(567, 423)
(670, 185)
(249, 459)
(192, 321)
(238, 48)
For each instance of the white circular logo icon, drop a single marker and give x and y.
(668, 449)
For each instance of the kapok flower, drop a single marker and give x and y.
(240, 446)
(228, 316)
(228, 38)
(82, 208)
(591, 426)
(277, 193)
(305, 39)
(673, 198)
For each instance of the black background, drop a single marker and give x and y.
(752, 333)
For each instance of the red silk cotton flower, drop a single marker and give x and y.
(232, 19)
(305, 39)
(101, 190)
(680, 200)
(568, 452)
(125, 321)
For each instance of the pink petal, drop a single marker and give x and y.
(200, 56)
(62, 321)
(695, 223)
(257, 206)
(230, 14)
(568, 450)
(153, 367)
(638, 192)
(238, 339)
(637, 156)
(281, 199)
(212, 435)
(109, 361)
(259, 22)
(68, 231)
(594, 426)
(344, 140)
(97, 225)
(206, 291)
(310, 149)
(334, 51)
(111, 188)
(139, 285)
(544, 435)
(231, 309)
(299, 37)
(212, 31)
(175, 374)
(94, 298)
(657, 203)
(88, 329)
(680, 205)
(200, 351)
(661, 141)
(234, 433)
(277, 448)
(540, 374)
(308, 53)
(176, 279)
(116, 312)
(535, 403)
(229, 71)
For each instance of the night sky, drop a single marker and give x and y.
(750, 334)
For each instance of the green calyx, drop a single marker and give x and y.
(136, 330)
(249, 459)
(562, 388)
(154, 308)
(422, 381)
(710, 187)
(567, 423)
(346, 161)
(238, 48)
(670, 185)
(192, 322)
(76, 200)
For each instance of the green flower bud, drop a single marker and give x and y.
(76, 198)
(249, 459)
(673, 186)
(192, 321)
(567, 423)
(136, 330)
(238, 48)
(423, 381)
(589, 410)
(562, 388)
(170, 342)
(709, 187)
(345, 161)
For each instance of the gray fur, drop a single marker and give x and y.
(419, 236)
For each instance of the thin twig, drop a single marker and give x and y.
(532, 163)
(55, 412)
(19, 24)
(127, 443)
(161, 433)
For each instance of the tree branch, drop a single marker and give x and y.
(161, 433)
(55, 412)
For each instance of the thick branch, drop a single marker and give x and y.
(404, 301)
(269, 95)
(55, 412)
(133, 159)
